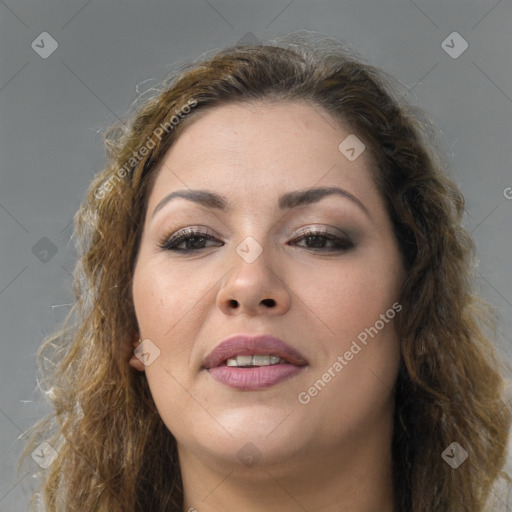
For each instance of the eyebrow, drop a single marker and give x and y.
(289, 200)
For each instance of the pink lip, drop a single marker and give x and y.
(251, 379)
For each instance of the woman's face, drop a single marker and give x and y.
(253, 269)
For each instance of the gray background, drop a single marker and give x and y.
(52, 110)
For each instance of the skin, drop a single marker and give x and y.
(332, 453)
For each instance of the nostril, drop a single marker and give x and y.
(269, 302)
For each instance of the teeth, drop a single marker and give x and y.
(244, 360)
(254, 360)
(260, 360)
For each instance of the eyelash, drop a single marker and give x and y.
(171, 243)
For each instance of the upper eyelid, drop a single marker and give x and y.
(191, 208)
(310, 227)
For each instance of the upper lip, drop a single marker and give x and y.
(244, 344)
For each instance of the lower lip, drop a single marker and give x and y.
(252, 379)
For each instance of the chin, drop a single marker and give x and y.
(247, 440)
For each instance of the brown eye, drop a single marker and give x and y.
(193, 239)
(318, 239)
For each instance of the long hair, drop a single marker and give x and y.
(114, 451)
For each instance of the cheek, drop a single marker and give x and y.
(165, 312)
(163, 299)
(353, 383)
(346, 299)
(355, 306)
(162, 318)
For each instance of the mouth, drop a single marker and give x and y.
(253, 362)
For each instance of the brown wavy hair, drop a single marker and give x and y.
(114, 451)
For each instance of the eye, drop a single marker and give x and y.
(193, 239)
(318, 238)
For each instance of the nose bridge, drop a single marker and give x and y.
(252, 262)
(253, 284)
(253, 233)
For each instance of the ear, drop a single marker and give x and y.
(135, 362)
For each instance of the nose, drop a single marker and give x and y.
(254, 288)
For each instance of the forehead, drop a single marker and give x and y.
(261, 147)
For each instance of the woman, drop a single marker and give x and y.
(274, 305)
